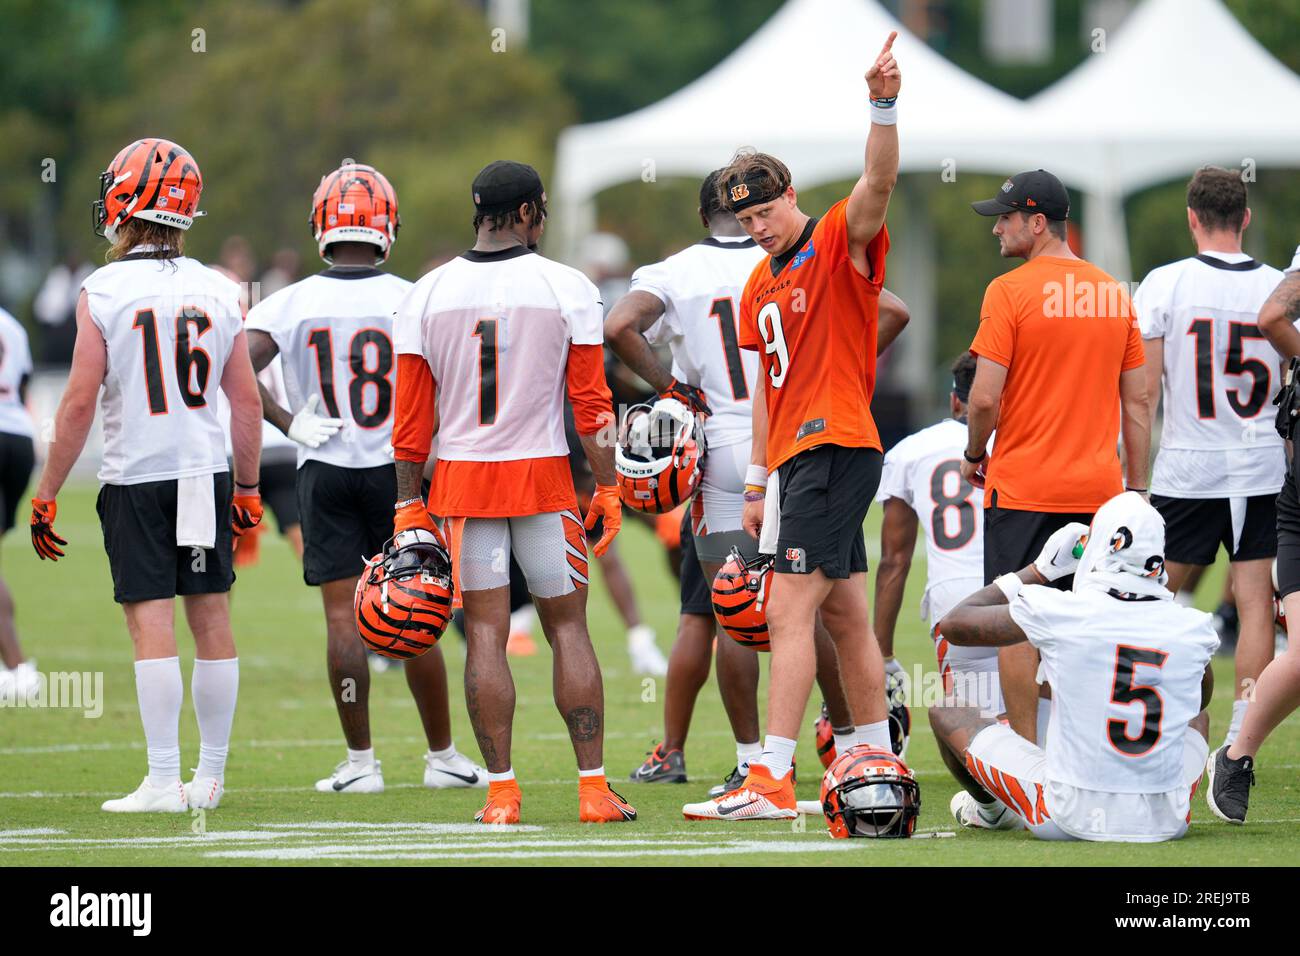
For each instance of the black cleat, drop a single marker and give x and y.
(661, 767)
(1230, 781)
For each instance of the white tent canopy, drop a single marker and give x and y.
(795, 89)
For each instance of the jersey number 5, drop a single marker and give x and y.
(773, 336)
(1126, 691)
(193, 364)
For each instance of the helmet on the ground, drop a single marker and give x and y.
(869, 792)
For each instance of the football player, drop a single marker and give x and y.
(1277, 694)
(17, 459)
(921, 486)
(1121, 759)
(487, 345)
(812, 310)
(1220, 464)
(159, 333)
(334, 333)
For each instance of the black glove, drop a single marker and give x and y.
(690, 396)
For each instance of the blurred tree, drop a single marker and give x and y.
(282, 92)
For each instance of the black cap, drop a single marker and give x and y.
(1031, 192)
(505, 185)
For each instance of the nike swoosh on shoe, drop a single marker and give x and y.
(727, 811)
(471, 778)
(343, 785)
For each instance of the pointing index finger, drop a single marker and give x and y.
(893, 35)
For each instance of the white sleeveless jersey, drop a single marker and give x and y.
(169, 327)
(335, 335)
(1126, 679)
(924, 470)
(1220, 376)
(495, 329)
(15, 365)
(700, 288)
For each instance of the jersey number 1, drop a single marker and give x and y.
(193, 364)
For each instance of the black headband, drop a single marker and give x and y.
(751, 190)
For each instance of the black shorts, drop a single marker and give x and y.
(17, 458)
(347, 515)
(139, 523)
(279, 487)
(1288, 537)
(1195, 527)
(824, 496)
(1013, 539)
(696, 590)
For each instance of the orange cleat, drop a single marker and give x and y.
(760, 797)
(597, 803)
(502, 807)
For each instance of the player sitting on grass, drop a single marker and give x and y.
(1130, 675)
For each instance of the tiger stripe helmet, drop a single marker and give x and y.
(403, 600)
(740, 592)
(355, 203)
(825, 738)
(152, 179)
(659, 456)
(870, 792)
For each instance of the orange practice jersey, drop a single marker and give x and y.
(813, 318)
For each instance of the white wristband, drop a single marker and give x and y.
(1009, 584)
(884, 115)
(756, 475)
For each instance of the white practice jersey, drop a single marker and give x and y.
(169, 327)
(1126, 679)
(1220, 376)
(15, 365)
(924, 470)
(495, 329)
(335, 335)
(700, 288)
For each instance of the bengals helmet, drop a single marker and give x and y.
(152, 179)
(869, 792)
(740, 592)
(355, 203)
(825, 738)
(403, 600)
(659, 456)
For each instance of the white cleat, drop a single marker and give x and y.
(150, 799)
(967, 811)
(204, 793)
(353, 778)
(761, 798)
(645, 654)
(459, 771)
(21, 682)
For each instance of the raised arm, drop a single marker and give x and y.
(869, 200)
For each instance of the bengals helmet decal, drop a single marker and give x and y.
(152, 179)
(739, 191)
(355, 203)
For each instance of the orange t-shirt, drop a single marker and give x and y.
(813, 318)
(1064, 330)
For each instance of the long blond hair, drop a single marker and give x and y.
(168, 240)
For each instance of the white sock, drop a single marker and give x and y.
(443, 754)
(746, 753)
(1238, 715)
(501, 777)
(361, 758)
(597, 772)
(214, 686)
(160, 691)
(640, 636)
(877, 734)
(845, 738)
(777, 756)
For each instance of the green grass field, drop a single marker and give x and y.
(57, 766)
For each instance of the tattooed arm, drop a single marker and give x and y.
(1278, 315)
(984, 618)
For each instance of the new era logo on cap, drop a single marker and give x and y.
(1036, 191)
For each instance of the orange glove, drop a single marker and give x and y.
(44, 540)
(606, 507)
(245, 513)
(414, 516)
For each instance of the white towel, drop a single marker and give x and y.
(196, 512)
(771, 516)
